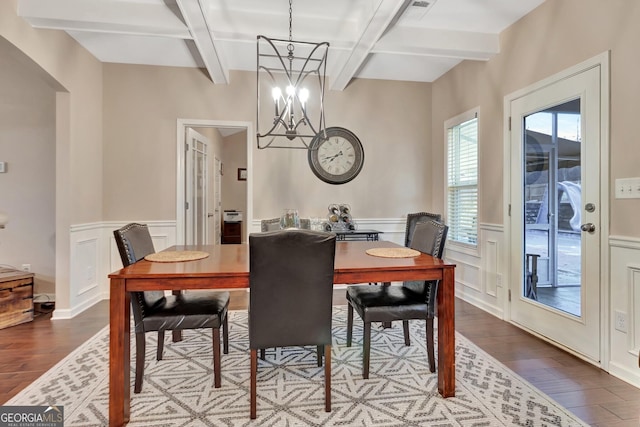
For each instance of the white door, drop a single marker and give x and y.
(196, 181)
(555, 212)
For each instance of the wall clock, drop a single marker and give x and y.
(338, 158)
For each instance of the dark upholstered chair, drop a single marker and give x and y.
(291, 295)
(273, 224)
(413, 219)
(412, 300)
(153, 311)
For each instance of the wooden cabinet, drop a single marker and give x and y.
(231, 232)
(16, 297)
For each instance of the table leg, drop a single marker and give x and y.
(446, 334)
(119, 354)
(176, 334)
(386, 325)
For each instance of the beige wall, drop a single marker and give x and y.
(77, 77)
(28, 146)
(142, 103)
(555, 36)
(74, 70)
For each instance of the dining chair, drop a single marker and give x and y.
(290, 296)
(413, 219)
(155, 311)
(410, 225)
(412, 300)
(273, 224)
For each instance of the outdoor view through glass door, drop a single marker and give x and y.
(552, 198)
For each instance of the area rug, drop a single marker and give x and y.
(178, 390)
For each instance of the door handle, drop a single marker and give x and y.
(588, 227)
(209, 215)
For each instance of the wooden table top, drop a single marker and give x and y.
(233, 261)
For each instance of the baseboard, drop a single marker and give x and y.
(60, 314)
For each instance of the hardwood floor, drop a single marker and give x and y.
(29, 350)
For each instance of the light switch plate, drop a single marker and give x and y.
(628, 188)
(3, 167)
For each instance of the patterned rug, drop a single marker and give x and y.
(178, 390)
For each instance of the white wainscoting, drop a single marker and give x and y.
(94, 255)
(86, 272)
(479, 272)
(625, 299)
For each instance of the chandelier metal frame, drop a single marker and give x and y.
(278, 66)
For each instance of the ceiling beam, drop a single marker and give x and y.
(432, 42)
(103, 17)
(196, 19)
(348, 65)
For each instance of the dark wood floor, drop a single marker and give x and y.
(29, 350)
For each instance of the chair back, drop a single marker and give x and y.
(413, 219)
(291, 288)
(305, 223)
(134, 243)
(428, 237)
(272, 224)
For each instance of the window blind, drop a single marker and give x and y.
(462, 182)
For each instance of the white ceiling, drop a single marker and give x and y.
(377, 39)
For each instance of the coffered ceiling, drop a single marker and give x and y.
(377, 39)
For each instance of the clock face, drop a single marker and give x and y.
(338, 158)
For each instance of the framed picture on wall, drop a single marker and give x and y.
(242, 174)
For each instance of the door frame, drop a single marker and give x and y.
(182, 125)
(602, 60)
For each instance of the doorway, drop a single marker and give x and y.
(182, 174)
(555, 148)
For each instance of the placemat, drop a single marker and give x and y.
(176, 256)
(393, 252)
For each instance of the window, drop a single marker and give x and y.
(462, 178)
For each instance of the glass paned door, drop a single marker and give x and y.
(552, 206)
(555, 220)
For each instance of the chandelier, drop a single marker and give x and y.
(290, 91)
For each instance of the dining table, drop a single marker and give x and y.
(227, 267)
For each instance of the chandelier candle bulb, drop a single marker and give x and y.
(304, 95)
(276, 93)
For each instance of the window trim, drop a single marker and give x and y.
(449, 123)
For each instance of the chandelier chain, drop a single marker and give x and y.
(290, 20)
(290, 46)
